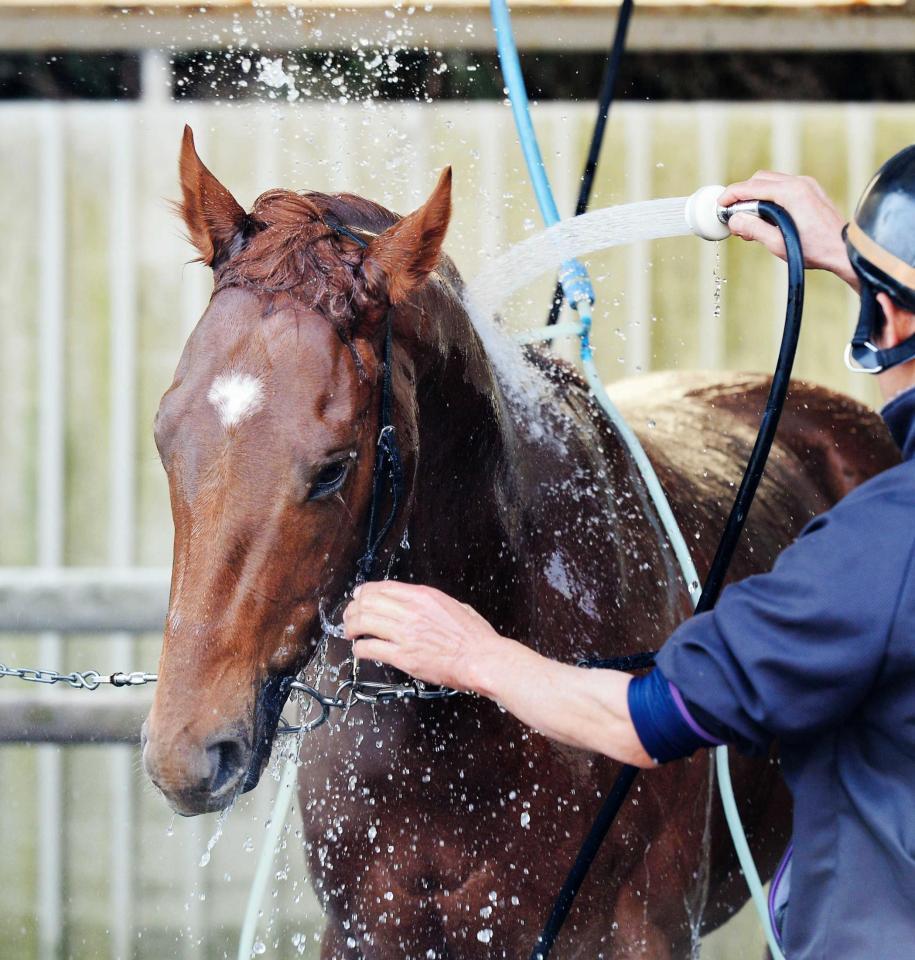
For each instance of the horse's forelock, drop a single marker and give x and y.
(292, 250)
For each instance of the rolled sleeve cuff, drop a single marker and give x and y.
(665, 727)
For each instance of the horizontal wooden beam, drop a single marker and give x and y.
(753, 27)
(83, 600)
(73, 718)
(372, 7)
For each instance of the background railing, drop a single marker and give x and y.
(95, 302)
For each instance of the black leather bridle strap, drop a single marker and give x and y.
(388, 466)
(388, 470)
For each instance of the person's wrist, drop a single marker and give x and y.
(491, 663)
(838, 262)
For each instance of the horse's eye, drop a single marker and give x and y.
(329, 480)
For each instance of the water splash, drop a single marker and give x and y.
(717, 292)
(574, 237)
(221, 818)
(532, 396)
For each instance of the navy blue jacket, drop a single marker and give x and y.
(819, 654)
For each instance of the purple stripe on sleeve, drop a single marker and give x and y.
(687, 716)
(775, 893)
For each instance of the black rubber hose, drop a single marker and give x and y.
(780, 218)
(604, 102)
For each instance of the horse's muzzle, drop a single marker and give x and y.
(204, 775)
(199, 778)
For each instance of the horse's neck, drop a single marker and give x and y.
(455, 524)
(498, 496)
(529, 507)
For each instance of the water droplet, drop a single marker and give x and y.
(484, 936)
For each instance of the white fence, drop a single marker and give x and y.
(94, 305)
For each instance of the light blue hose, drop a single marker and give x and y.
(576, 286)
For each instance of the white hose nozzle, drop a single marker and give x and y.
(703, 213)
(707, 218)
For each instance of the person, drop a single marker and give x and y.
(818, 654)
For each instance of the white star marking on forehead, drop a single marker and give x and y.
(235, 396)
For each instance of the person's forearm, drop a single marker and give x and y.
(579, 707)
(435, 638)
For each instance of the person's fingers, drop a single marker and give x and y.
(388, 604)
(772, 175)
(776, 187)
(371, 648)
(386, 588)
(748, 227)
(363, 623)
(394, 601)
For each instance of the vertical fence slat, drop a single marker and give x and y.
(786, 152)
(155, 78)
(859, 139)
(711, 170)
(50, 502)
(122, 487)
(492, 170)
(638, 352)
(566, 177)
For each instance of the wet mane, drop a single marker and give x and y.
(292, 251)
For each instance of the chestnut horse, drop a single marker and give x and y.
(443, 830)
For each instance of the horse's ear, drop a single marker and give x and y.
(215, 221)
(399, 260)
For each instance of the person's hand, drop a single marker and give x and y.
(421, 631)
(818, 220)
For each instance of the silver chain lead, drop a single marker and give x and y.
(85, 680)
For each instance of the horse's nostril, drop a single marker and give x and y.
(226, 763)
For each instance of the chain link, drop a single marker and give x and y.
(372, 692)
(85, 680)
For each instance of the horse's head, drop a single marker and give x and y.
(268, 437)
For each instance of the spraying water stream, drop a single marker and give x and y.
(572, 238)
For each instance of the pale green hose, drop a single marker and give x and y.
(280, 811)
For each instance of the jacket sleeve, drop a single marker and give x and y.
(792, 652)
